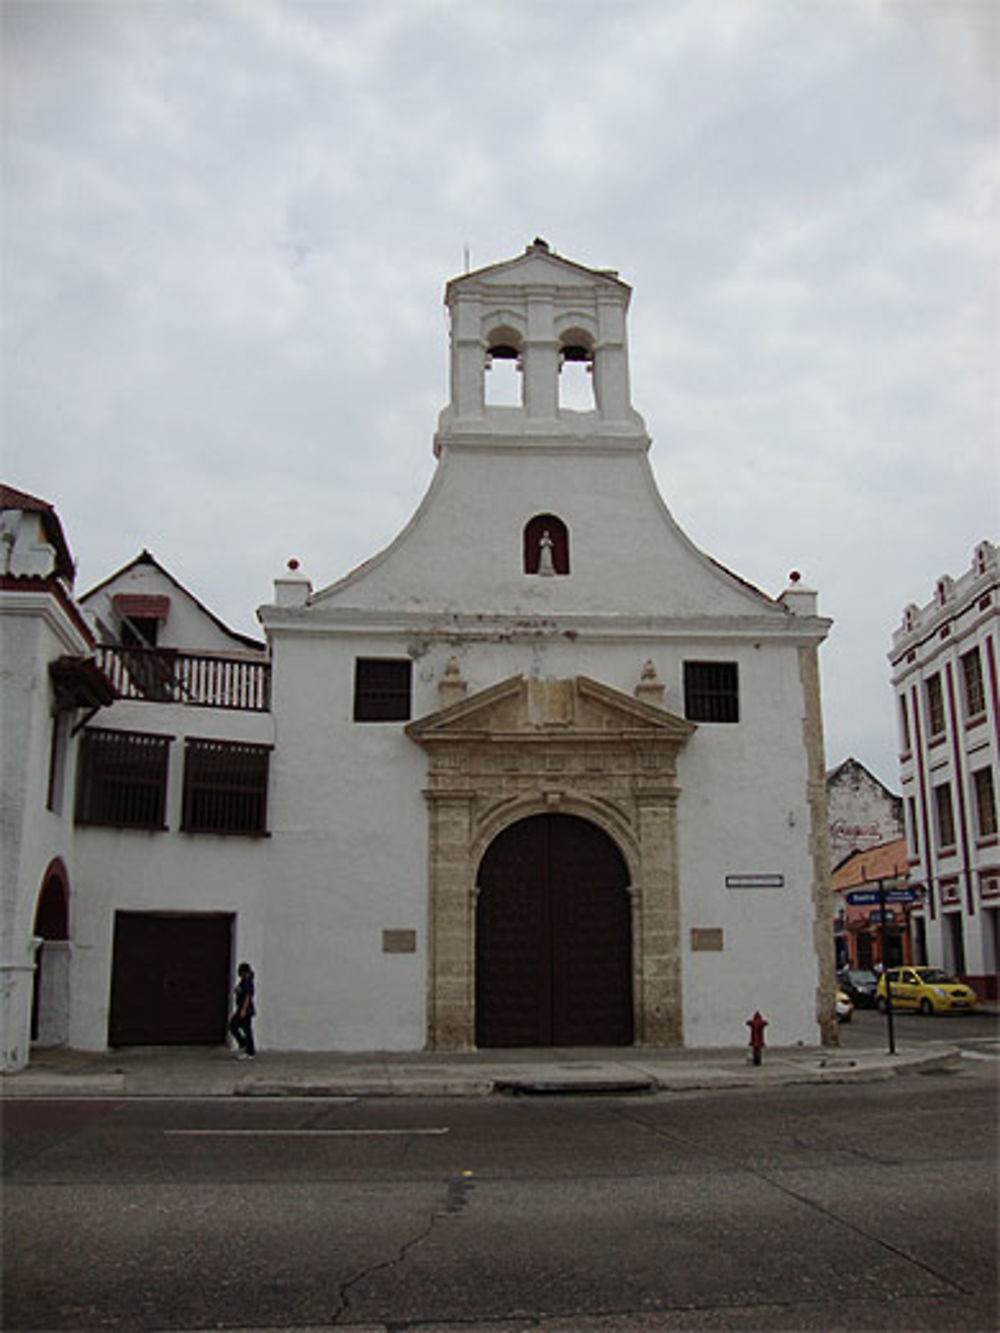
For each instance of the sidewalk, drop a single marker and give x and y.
(172, 1071)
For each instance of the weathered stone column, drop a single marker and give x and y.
(656, 904)
(451, 923)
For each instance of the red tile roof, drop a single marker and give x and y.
(888, 860)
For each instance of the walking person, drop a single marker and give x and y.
(241, 1023)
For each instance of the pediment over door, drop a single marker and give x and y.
(578, 708)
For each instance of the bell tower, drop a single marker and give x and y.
(546, 315)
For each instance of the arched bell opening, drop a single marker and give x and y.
(503, 369)
(576, 372)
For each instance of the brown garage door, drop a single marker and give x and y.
(553, 938)
(170, 979)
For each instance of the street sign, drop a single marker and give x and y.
(870, 897)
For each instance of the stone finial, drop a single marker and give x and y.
(650, 689)
(797, 598)
(452, 686)
(292, 588)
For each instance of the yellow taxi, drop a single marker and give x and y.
(926, 989)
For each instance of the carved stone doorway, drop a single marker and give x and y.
(570, 747)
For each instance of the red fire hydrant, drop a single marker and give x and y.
(757, 1024)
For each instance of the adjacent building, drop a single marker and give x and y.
(944, 672)
(863, 812)
(863, 937)
(540, 773)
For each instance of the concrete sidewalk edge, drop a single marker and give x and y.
(162, 1072)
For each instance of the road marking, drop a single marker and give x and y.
(301, 1133)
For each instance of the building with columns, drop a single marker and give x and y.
(944, 660)
(540, 773)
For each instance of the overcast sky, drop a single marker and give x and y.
(229, 225)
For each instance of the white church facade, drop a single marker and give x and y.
(540, 773)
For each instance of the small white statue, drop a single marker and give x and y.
(545, 562)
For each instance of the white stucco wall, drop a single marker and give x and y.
(35, 629)
(350, 836)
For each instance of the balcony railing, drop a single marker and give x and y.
(201, 680)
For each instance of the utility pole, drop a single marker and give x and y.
(885, 970)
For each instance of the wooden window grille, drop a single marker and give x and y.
(986, 804)
(945, 816)
(225, 787)
(935, 705)
(972, 680)
(382, 689)
(122, 779)
(711, 692)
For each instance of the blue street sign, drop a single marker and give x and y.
(870, 897)
(863, 897)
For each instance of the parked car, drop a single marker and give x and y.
(844, 1007)
(928, 989)
(859, 985)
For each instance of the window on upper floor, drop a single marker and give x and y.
(935, 705)
(972, 684)
(382, 687)
(945, 817)
(225, 787)
(122, 779)
(986, 803)
(546, 545)
(711, 692)
(912, 827)
(139, 632)
(904, 725)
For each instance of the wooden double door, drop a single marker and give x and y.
(553, 937)
(170, 979)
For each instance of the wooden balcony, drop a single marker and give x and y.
(200, 680)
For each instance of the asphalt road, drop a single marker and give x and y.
(972, 1033)
(835, 1207)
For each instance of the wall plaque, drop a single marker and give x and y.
(706, 939)
(399, 941)
(755, 881)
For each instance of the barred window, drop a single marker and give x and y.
(382, 689)
(972, 680)
(122, 779)
(935, 705)
(225, 787)
(711, 692)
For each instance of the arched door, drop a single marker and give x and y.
(50, 996)
(553, 937)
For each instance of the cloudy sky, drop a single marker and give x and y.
(229, 225)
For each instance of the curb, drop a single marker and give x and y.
(610, 1081)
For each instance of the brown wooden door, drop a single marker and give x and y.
(170, 979)
(553, 938)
